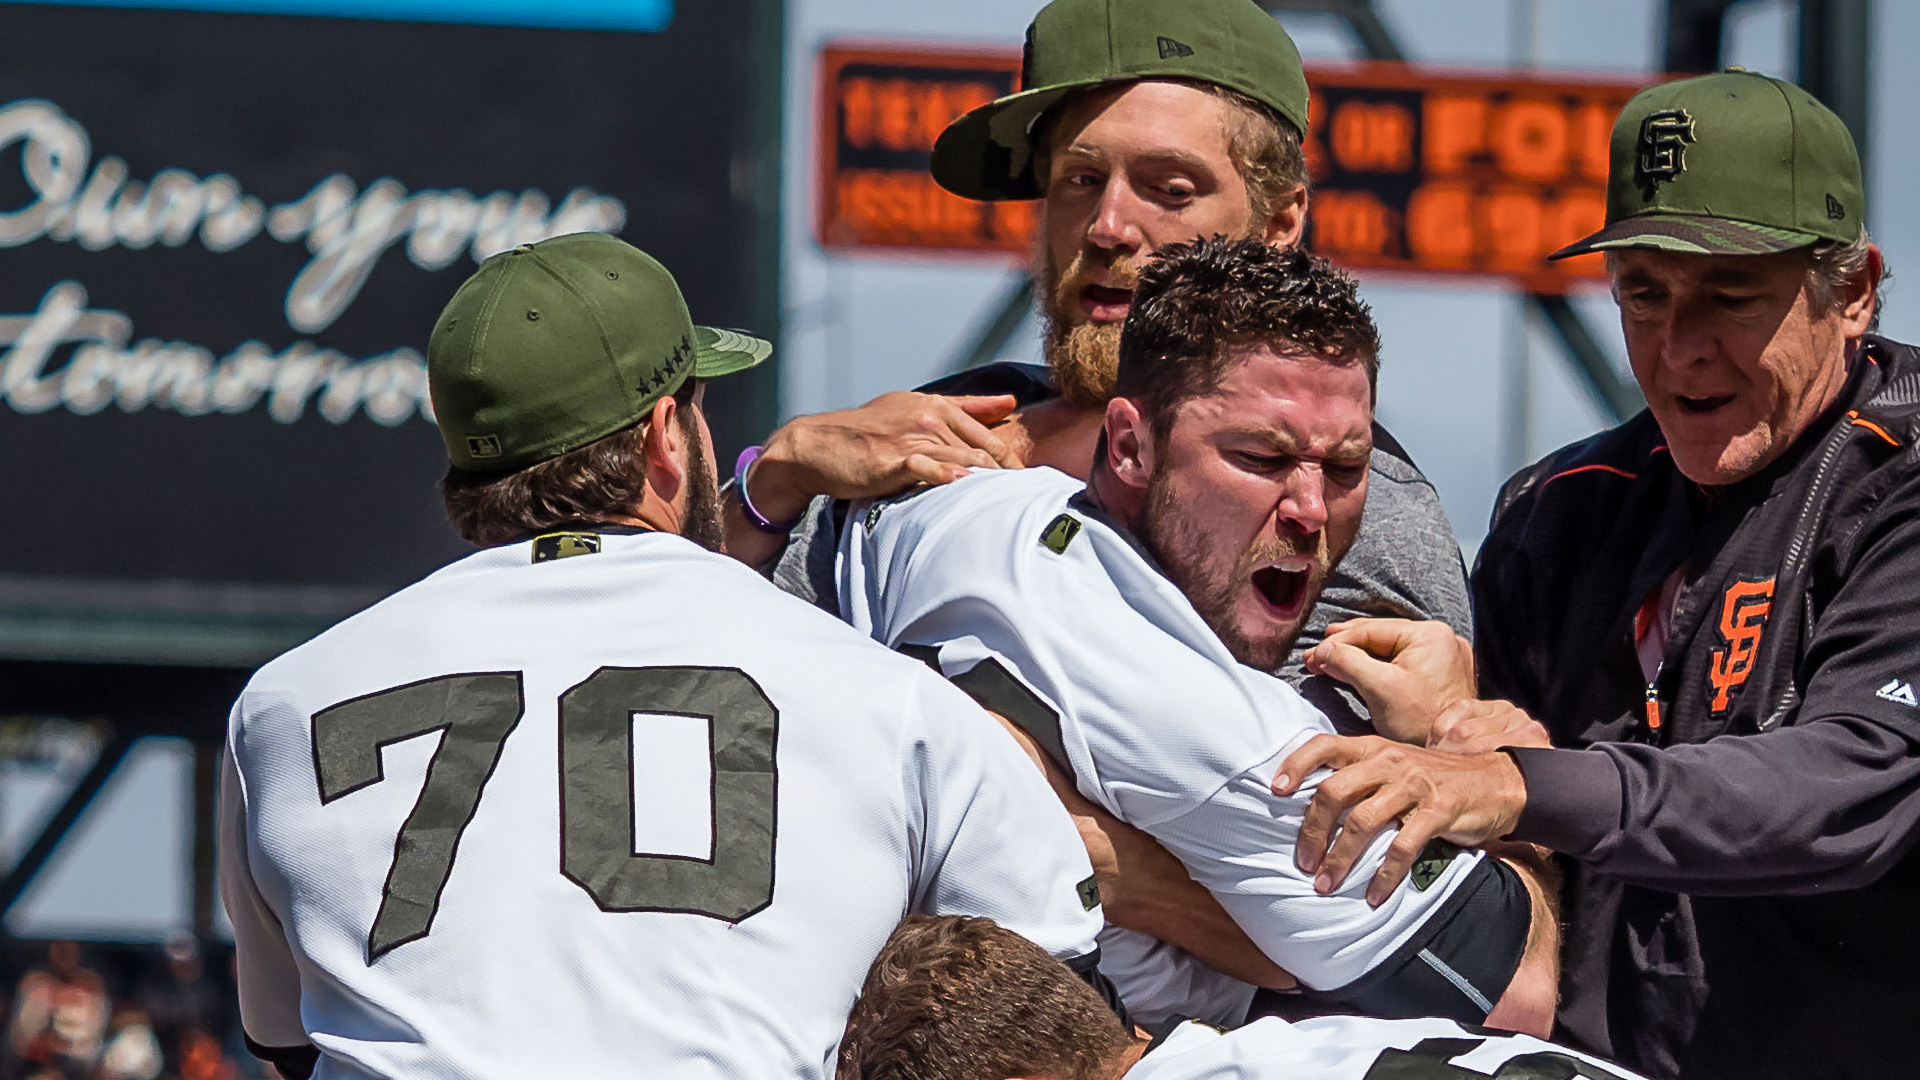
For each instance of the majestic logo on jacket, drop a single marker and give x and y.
(1743, 615)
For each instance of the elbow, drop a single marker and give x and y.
(1852, 869)
(1530, 999)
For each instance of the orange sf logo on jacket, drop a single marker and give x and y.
(1743, 615)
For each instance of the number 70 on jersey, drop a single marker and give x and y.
(476, 714)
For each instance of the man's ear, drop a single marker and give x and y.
(1856, 303)
(1129, 443)
(1287, 220)
(665, 449)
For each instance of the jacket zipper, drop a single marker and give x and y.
(1652, 716)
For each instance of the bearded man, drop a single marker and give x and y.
(1118, 622)
(1145, 123)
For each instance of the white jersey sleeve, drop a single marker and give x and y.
(975, 796)
(1030, 599)
(1161, 982)
(1361, 1048)
(265, 967)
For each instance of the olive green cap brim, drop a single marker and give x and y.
(987, 154)
(1688, 234)
(719, 352)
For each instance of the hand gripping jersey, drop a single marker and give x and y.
(1361, 1048)
(630, 812)
(1033, 602)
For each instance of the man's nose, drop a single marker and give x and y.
(1688, 337)
(1303, 503)
(1116, 220)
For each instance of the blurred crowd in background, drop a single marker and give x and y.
(122, 1012)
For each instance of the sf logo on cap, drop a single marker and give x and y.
(1664, 136)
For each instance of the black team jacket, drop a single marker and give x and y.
(1742, 894)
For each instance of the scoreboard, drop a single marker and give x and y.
(226, 227)
(1414, 170)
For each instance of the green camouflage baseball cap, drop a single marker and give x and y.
(550, 346)
(1734, 163)
(1073, 44)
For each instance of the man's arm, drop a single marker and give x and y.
(1104, 661)
(1145, 889)
(1466, 937)
(994, 840)
(1711, 819)
(1533, 994)
(264, 966)
(889, 444)
(1830, 801)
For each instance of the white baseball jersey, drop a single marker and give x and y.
(629, 812)
(1361, 1048)
(1012, 573)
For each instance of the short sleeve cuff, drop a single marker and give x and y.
(1573, 798)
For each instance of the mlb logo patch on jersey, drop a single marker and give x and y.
(1089, 891)
(560, 545)
(1059, 533)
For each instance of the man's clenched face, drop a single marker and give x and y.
(1733, 354)
(1130, 169)
(1256, 492)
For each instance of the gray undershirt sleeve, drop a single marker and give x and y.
(805, 568)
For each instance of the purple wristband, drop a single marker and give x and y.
(754, 517)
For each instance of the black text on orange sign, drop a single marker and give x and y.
(1458, 173)
(891, 208)
(902, 113)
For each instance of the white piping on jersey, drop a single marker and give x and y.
(1457, 979)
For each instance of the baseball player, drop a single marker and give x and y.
(955, 998)
(1139, 123)
(1128, 625)
(597, 800)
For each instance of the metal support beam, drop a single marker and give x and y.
(1836, 60)
(998, 328)
(205, 803)
(1696, 35)
(63, 819)
(1615, 397)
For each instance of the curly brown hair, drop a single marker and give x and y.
(1200, 300)
(958, 998)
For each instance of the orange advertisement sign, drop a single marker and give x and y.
(880, 111)
(1430, 172)
(1413, 170)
